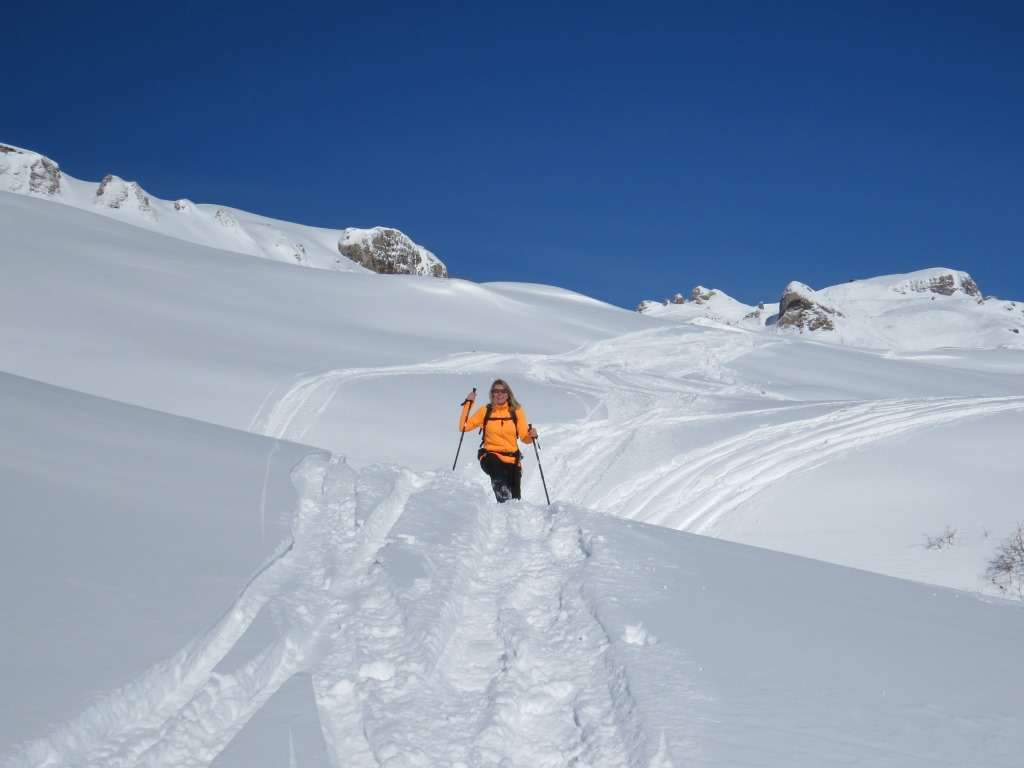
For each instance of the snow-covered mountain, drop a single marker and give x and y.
(927, 309)
(235, 536)
(380, 249)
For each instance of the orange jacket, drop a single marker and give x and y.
(500, 436)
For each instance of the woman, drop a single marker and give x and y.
(503, 425)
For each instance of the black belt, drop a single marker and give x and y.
(517, 455)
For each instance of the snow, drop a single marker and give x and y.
(923, 310)
(205, 224)
(234, 537)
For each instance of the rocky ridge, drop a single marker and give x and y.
(381, 249)
(876, 312)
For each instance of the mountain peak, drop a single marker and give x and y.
(927, 309)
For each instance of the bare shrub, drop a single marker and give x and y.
(1006, 568)
(943, 540)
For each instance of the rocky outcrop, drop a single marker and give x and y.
(382, 250)
(926, 309)
(698, 295)
(756, 315)
(946, 284)
(701, 295)
(389, 252)
(227, 219)
(28, 173)
(116, 194)
(799, 309)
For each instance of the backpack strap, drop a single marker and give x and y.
(487, 417)
(483, 427)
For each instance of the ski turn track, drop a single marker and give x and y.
(496, 658)
(695, 491)
(658, 385)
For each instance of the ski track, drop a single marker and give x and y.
(655, 382)
(183, 712)
(499, 657)
(694, 491)
(488, 680)
(472, 670)
(297, 410)
(659, 381)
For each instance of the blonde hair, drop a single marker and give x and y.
(513, 404)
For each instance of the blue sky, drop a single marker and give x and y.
(628, 151)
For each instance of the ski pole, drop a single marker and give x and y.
(536, 450)
(463, 433)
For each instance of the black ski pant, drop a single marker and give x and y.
(506, 478)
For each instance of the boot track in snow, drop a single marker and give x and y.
(499, 660)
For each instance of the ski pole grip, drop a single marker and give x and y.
(467, 399)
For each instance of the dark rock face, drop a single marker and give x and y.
(798, 310)
(944, 285)
(389, 252)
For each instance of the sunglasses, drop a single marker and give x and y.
(499, 391)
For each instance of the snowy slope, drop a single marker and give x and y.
(240, 541)
(124, 313)
(416, 623)
(28, 173)
(126, 530)
(924, 310)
